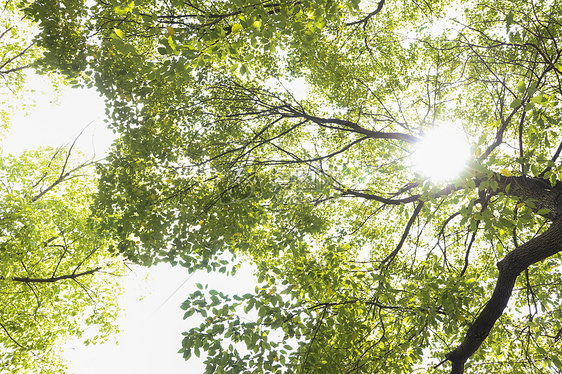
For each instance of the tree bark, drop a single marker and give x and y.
(544, 195)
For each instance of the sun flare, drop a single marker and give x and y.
(442, 153)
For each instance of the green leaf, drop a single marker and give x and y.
(515, 103)
(557, 362)
(509, 20)
(535, 170)
(537, 99)
(122, 10)
(532, 88)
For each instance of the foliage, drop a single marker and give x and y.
(57, 276)
(18, 54)
(364, 264)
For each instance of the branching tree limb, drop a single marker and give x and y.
(72, 276)
(543, 246)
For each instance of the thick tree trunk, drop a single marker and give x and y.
(535, 250)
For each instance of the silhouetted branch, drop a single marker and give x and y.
(54, 279)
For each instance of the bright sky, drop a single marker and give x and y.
(151, 327)
(442, 153)
(50, 124)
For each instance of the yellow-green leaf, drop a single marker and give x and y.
(119, 33)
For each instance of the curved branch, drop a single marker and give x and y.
(499, 134)
(553, 159)
(410, 199)
(8, 61)
(472, 239)
(537, 249)
(317, 328)
(380, 199)
(413, 217)
(298, 160)
(12, 338)
(369, 16)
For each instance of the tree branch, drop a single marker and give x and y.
(361, 130)
(518, 260)
(413, 217)
(369, 16)
(12, 338)
(384, 200)
(55, 279)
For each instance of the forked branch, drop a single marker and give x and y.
(72, 276)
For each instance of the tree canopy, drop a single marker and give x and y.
(18, 53)
(364, 264)
(57, 275)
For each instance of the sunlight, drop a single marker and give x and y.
(442, 153)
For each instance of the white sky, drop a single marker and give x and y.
(50, 124)
(151, 327)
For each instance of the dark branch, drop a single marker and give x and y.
(361, 130)
(369, 16)
(391, 256)
(517, 261)
(72, 276)
(384, 200)
(553, 159)
(12, 338)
